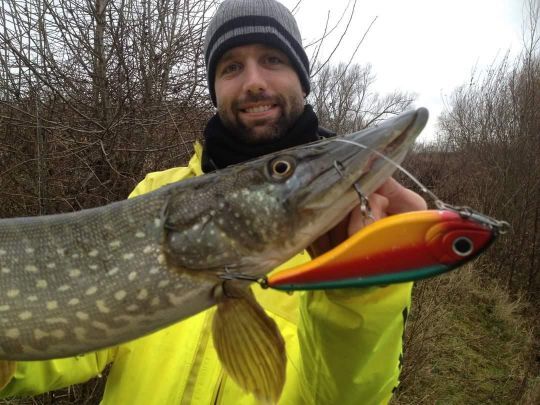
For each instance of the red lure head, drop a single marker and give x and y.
(457, 238)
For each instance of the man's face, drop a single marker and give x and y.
(258, 93)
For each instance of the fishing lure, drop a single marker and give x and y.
(399, 248)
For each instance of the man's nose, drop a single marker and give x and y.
(254, 78)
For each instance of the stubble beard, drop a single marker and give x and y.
(263, 131)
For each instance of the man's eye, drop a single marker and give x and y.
(273, 60)
(230, 68)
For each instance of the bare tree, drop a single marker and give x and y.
(89, 89)
(345, 99)
(491, 136)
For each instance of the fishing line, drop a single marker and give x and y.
(437, 201)
(465, 212)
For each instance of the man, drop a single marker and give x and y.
(343, 347)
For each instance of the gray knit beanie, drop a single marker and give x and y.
(243, 22)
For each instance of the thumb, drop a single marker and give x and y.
(400, 198)
(7, 370)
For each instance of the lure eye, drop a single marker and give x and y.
(282, 167)
(462, 246)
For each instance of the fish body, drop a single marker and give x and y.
(77, 282)
(399, 248)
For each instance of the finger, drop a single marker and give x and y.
(378, 204)
(400, 198)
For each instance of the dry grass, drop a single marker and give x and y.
(89, 393)
(467, 342)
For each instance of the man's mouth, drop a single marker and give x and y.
(258, 109)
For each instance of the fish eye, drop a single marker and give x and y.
(462, 246)
(282, 167)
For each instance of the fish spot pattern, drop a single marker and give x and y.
(23, 316)
(12, 333)
(52, 321)
(92, 290)
(115, 243)
(31, 268)
(80, 332)
(100, 325)
(39, 334)
(52, 305)
(112, 271)
(120, 295)
(12, 293)
(74, 273)
(83, 316)
(58, 333)
(143, 294)
(41, 283)
(102, 307)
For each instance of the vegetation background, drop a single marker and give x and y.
(95, 94)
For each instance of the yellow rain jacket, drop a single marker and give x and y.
(343, 347)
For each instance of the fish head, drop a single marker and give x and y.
(254, 216)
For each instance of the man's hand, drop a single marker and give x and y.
(391, 198)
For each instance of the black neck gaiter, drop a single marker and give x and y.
(222, 149)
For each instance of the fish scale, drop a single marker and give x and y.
(77, 282)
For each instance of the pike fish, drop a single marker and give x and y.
(78, 282)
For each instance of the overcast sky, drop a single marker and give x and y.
(428, 47)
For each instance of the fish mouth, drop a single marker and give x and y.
(392, 153)
(364, 160)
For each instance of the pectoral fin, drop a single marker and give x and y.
(7, 370)
(249, 344)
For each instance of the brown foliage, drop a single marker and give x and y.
(94, 96)
(487, 158)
